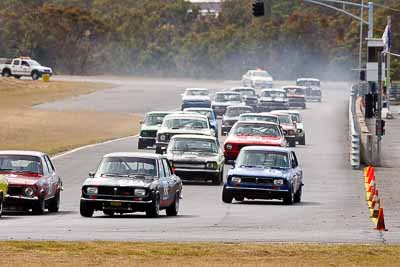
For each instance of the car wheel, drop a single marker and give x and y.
(85, 210)
(35, 75)
(39, 207)
(109, 212)
(154, 210)
(54, 205)
(173, 209)
(303, 141)
(6, 73)
(292, 142)
(297, 196)
(226, 196)
(1, 204)
(288, 199)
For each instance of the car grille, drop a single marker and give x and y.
(15, 191)
(189, 165)
(240, 146)
(120, 191)
(257, 180)
(296, 100)
(151, 133)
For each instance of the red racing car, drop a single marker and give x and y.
(252, 133)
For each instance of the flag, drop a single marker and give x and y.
(387, 37)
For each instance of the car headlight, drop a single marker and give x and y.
(92, 190)
(212, 165)
(228, 146)
(236, 180)
(163, 137)
(140, 192)
(299, 130)
(278, 182)
(29, 191)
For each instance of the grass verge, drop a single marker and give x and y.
(51, 131)
(15, 253)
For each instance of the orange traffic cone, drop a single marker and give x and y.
(375, 211)
(371, 174)
(371, 194)
(366, 170)
(374, 200)
(371, 185)
(381, 221)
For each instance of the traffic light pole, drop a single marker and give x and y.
(378, 126)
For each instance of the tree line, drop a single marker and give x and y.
(170, 38)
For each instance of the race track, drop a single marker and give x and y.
(333, 207)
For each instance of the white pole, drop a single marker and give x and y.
(388, 80)
(370, 20)
(361, 36)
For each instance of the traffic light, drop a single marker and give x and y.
(369, 106)
(380, 127)
(258, 8)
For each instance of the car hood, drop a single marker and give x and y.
(150, 127)
(192, 156)
(264, 79)
(259, 172)
(276, 99)
(225, 104)
(196, 98)
(118, 182)
(288, 127)
(295, 96)
(225, 118)
(43, 68)
(17, 179)
(251, 139)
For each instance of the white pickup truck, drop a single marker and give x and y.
(23, 66)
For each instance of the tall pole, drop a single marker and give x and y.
(379, 110)
(361, 35)
(388, 78)
(370, 20)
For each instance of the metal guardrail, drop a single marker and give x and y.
(355, 148)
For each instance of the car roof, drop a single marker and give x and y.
(227, 93)
(243, 88)
(186, 115)
(274, 89)
(197, 89)
(194, 136)
(239, 106)
(266, 148)
(259, 114)
(134, 155)
(22, 152)
(279, 112)
(158, 112)
(308, 79)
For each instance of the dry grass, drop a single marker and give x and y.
(25, 128)
(194, 254)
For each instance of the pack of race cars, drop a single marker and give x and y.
(260, 126)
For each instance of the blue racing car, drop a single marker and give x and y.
(263, 172)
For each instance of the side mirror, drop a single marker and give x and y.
(91, 174)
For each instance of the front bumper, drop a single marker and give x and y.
(161, 147)
(147, 141)
(196, 174)
(20, 202)
(256, 193)
(297, 104)
(116, 205)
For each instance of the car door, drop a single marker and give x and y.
(297, 171)
(25, 68)
(172, 181)
(46, 181)
(164, 186)
(54, 179)
(16, 67)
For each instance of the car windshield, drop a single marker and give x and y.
(197, 92)
(285, 119)
(274, 94)
(236, 111)
(295, 91)
(154, 119)
(125, 166)
(20, 164)
(228, 98)
(193, 145)
(246, 92)
(261, 74)
(185, 123)
(245, 117)
(264, 159)
(254, 129)
(308, 83)
(33, 63)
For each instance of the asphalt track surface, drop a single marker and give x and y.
(333, 208)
